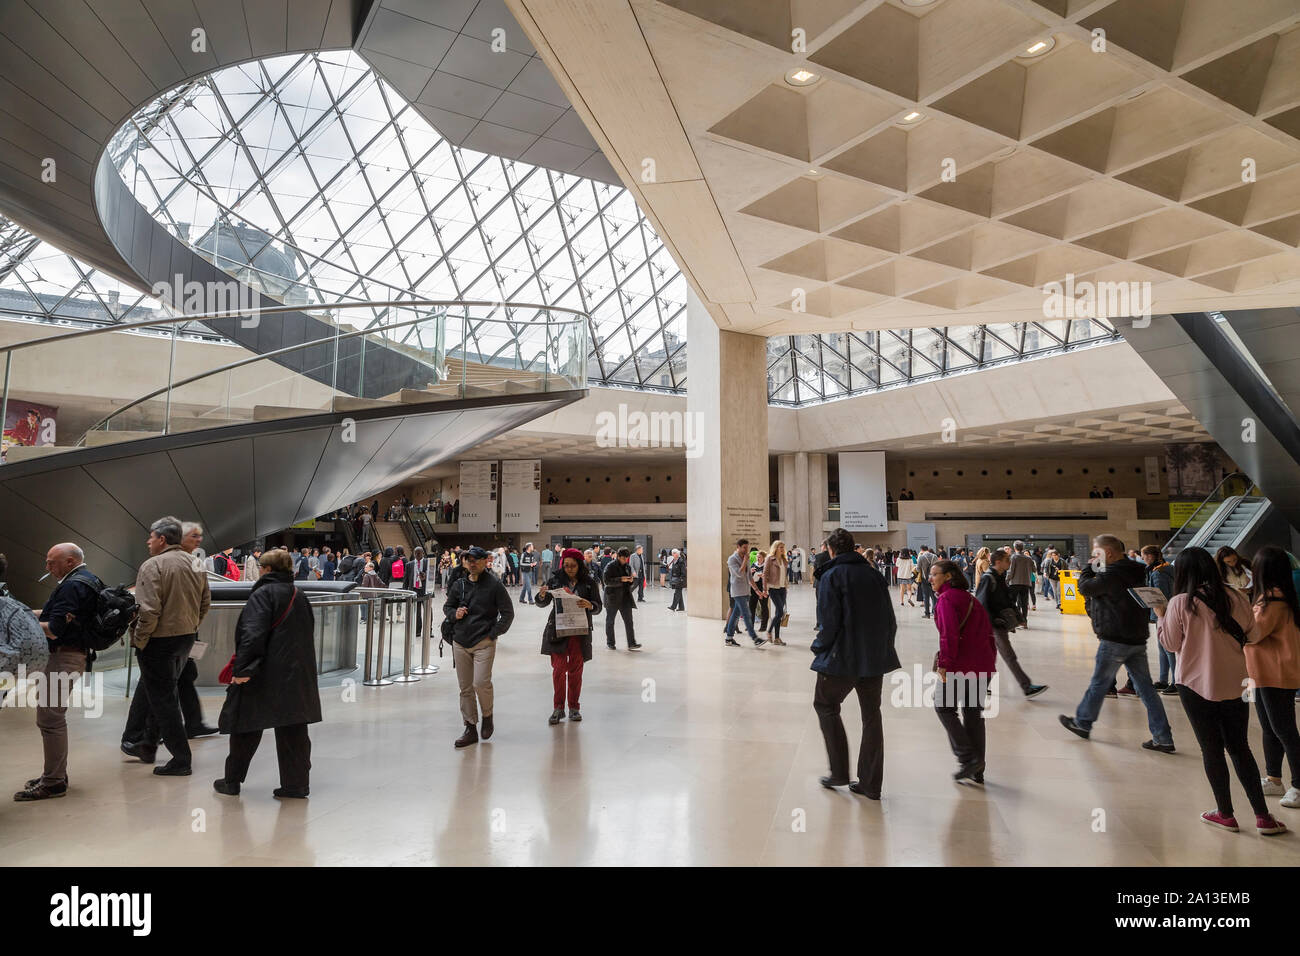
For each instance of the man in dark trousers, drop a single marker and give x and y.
(992, 593)
(1020, 580)
(637, 563)
(620, 598)
(855, 650)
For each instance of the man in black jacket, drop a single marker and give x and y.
(855, 650)
(1121, 627)
(1001, 607)
(67, 613)
(481, 610)
(620, 598)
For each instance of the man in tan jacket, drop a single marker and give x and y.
(173, 598)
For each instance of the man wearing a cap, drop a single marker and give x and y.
(479, 609)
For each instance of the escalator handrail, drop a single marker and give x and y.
(1214, 497)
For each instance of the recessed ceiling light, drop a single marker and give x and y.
(801, 76)
(911, 118)
(1037, 48)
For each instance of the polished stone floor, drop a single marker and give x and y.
(690, 753)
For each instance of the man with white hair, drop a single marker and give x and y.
(677, 579)
(65, 619)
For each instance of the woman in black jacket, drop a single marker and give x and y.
(273, 680)
(569, 653)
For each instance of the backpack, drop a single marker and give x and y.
(232, 570)
(115, 612)
(399, 570)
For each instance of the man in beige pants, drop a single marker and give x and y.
(480, 609)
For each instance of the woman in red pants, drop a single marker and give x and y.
(570, 647)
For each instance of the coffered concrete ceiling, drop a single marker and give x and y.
(1170, 157)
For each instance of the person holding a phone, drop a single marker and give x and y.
(620, 598)
(568, 647)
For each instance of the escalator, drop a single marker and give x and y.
(1239, 373)
(1243, 522)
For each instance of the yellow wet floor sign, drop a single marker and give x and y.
(1071, 599)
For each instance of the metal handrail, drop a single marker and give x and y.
(229, 366)
(279, 309)
(1214, 497)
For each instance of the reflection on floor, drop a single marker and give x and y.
(690, 753)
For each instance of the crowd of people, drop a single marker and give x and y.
(1228, 631)
(1223, 624)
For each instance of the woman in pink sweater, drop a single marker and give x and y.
(1274, 665)
(965, 664)
(1207, 624)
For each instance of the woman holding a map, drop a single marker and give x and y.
(567, 638)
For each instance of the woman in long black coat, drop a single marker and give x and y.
(273, 680)
(568, 654)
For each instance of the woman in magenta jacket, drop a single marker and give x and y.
(965, 664)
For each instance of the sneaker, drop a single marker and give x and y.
(1170, 691)
(1216, 819)
(1292, 799)
(634, 647)
(1033, 690)
(40, 791)
(1268, 826)
(221, 785)
(1163, 748)
(1128, 692)
(575, 714)
(830, 783)
(731, 642)
(1271, 789)
(1069, 724)
(557, 715)
(759, 642)
(611, 645)
(969, 771)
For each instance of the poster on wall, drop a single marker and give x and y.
(1151, 469)
(919, 533)
(1193, 470)
(478, 495)
(521, 495)
(27, 424)
(862, 491)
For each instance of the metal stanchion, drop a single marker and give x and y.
(378, 679)
(425, 667)
(406, 677)
(370, 639)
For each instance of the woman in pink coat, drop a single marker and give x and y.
(965, 664)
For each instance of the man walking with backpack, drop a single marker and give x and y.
(173, 601)
(66, 620)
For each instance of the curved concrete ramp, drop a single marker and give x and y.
(240, 481)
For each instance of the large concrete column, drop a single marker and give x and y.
(804, 496)
(726, 483)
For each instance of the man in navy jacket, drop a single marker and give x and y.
(855, 649)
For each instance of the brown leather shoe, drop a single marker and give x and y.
(470, 736)
(41, 791)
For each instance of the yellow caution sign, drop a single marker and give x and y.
(1071, 599)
